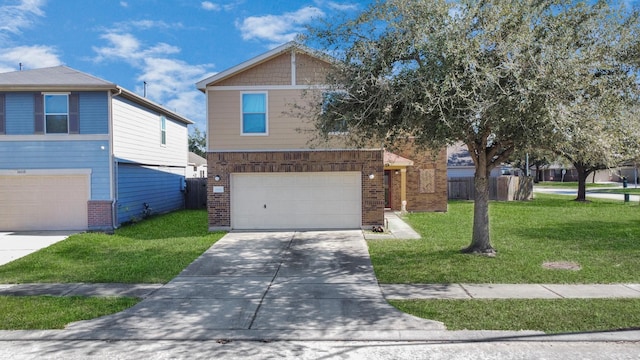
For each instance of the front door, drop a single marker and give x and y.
(387, 188)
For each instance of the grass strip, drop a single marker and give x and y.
(548, 315)
(572, 184)
(152, 251)
(50, 312)
(629, 190)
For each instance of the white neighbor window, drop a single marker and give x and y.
(56, 113)
(163, 130)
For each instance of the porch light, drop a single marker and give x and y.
(216, 178)
(372, 176)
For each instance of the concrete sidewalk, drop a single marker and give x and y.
(509, 291)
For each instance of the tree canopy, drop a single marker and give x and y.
(497, 75)
(198, 142)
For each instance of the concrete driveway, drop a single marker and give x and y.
(266, 285)
(14, 245)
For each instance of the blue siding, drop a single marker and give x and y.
(138, 185)
(16, 155)
(94, 113)
(19, 111)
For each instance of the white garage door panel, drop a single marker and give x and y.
(329, 200)
(41, 202)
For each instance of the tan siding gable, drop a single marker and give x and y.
(276, 71)
(310, 70)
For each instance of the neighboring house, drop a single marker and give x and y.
(264, 174)
(81, 153)
(460, 164)
(197, 166)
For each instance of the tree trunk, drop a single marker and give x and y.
(582, 182)
(481, 240)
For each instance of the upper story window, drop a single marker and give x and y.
(56, 113)
(254, 114)
(333, 125)
(163, 130)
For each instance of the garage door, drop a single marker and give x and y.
(40, 202)
(322, 200)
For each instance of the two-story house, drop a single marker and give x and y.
(81, 153)
(263, 172)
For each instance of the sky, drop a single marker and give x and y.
(169, 44)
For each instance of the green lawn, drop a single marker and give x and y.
(152, 251)
(603, 237)
(572, 184)
(49, 312)
(550, 316)
(629, 190)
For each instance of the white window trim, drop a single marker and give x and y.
(45, 113)
(266, 114)
(163, 131)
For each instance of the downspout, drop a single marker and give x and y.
(114, 163)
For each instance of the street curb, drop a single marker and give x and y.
(462, 336)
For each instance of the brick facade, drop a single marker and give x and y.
(100, 215)
(417, 198)
(366, 162)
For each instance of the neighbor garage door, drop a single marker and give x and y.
(321, 200)
(41, 202)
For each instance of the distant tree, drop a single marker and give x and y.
(597, 143)
(198, 142)
(497, 75)
(533, 157)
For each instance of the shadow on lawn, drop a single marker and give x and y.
(587, 234)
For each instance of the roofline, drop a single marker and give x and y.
(202, 84)
(44, 88)
(148, 103)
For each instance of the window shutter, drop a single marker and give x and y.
(38, 111)
(74, 113)
(3, 117)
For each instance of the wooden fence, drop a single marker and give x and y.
(503, 188)
(196, 194)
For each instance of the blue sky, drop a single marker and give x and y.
(170, 44)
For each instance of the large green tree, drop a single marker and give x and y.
(497, 75)
(198, 142)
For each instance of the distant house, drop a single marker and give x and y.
(81, 153)
(197, 166)
(460, 164)
(263, 173)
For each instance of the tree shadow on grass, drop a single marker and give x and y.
(587, 234)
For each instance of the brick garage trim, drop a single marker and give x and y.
(223, 164)
(100, 215)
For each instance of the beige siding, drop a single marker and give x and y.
(136, 136)
(286, 130)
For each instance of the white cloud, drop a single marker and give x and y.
(146, 25)
(170, 82)
(278, 28)
(31, 57)
(333, 5)
(14, 18)
(124, 4)
(209, 6)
